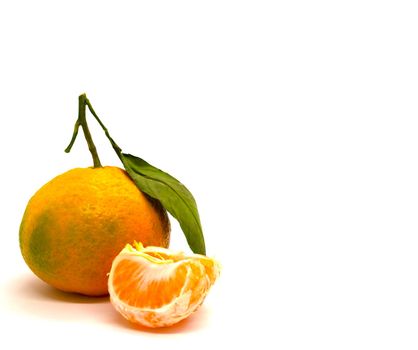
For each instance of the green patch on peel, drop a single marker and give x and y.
(40, 244)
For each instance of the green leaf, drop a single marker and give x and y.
(172, 194)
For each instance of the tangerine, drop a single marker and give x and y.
(75, 225)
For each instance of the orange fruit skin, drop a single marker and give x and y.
(156, 287)
(76, 224)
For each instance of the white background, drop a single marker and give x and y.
(294, 124)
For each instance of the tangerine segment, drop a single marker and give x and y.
(157, 287)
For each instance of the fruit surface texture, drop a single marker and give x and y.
(75, 225)
(157, 287)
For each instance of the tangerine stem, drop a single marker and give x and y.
(117, 149)
(81, 121)
(82, 102)
(75, 133)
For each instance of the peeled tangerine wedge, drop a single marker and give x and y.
(157, 287)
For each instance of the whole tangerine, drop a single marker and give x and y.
(77, 223)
